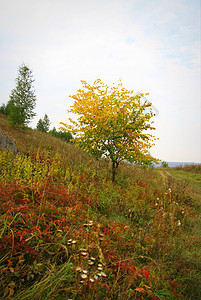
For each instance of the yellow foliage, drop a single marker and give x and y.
(112, 122)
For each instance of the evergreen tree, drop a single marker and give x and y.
(39, 125)
(43, 124)
(46, 122)
(22, 99)
(64, 135)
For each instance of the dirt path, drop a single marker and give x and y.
(163, 176)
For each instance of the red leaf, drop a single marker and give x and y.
(145, 273)
(140, 290)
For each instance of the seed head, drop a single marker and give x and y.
(90, 263)
(103, 274)
(78, 269)
(93, 258)
(83, 252)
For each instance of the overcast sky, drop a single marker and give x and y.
(152, 45)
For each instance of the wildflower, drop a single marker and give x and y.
(179, 223)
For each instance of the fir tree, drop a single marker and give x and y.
(43, 124)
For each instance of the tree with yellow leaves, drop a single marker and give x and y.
(112, 123)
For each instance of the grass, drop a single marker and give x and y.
(193, 178)
(68, 232)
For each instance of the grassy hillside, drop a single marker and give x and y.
(67, 232)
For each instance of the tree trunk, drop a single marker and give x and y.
(114, 169)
